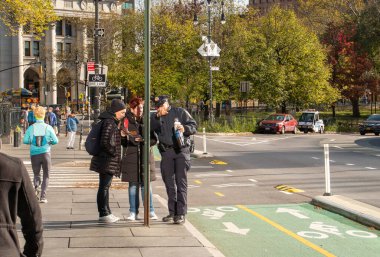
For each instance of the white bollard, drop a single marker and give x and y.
(204, 141)
(327, 171)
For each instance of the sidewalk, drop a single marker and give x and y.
(71, 225)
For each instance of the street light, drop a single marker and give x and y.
(209, 57)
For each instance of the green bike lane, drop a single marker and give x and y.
(289, 230)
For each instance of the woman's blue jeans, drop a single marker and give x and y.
(134, 199)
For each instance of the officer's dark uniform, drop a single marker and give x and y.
(175, 161)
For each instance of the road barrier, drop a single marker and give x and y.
(204, 141)
(327, 170)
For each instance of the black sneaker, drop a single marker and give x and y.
(168, 218)
(179, 219)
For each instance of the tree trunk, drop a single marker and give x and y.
(333, 110)
(217, 110)
(283, 107)
(355, 107)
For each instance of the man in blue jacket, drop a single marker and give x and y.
(72, 127)
(40, 136)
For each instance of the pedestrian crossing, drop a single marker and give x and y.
(75, 177)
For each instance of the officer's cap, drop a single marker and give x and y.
(160, 100)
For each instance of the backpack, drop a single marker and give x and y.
(92, 143)
(39, 140)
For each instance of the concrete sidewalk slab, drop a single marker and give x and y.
(363, 213)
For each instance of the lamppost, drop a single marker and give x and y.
(77, 78)
(96, 99)
(210, 56)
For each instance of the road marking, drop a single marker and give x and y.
(192, 186)
(370, 168)
(350, 164)
(219, 194)
(332, 161)
(332, 140)
(229, 170)
(338, 147)
(253, 180)
(287, 193)
(27, 162)
(288, 232)
(235, 185)
(295, 213)
(288, 189)
(217, 162)
(378, 155)
(198, 181)
(231, 227)
(315, 158)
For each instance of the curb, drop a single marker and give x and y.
(360, 212)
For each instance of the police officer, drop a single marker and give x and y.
(175, 161)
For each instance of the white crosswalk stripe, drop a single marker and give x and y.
(69, 177)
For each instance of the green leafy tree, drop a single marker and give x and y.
(289, 63)
(37, 14)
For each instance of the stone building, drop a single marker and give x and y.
(53, 66)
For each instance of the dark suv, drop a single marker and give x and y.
(370, 125)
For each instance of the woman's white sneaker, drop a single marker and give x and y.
(153, 216)
(109, 219)
(132, 216)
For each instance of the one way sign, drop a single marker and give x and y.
(209, 49)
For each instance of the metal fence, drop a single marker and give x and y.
(9, 118)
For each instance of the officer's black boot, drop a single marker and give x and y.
(179, 219)
(168, 218)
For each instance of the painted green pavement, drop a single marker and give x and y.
(293, 230)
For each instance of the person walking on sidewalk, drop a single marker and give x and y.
(58, 114)
(72, 127)
(175, 152)
(40, 136)
(107, 162)
(31, 117)
(132, 161)
(18, 199)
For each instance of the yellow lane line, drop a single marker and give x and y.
(288, 232)
(219, 194)
(198, 182)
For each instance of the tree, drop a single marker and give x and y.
(350, 64)
(289, 65)
(36, 14)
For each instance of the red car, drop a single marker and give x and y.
(278, 122)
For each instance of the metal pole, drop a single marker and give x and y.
(327, 171)
(147, 113)
(204, 141)
(209, 58)
(96, 97)
(77, 79)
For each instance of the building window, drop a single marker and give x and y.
(68, 4)
(36, 48)
(60, 48)
(58, 28)
(68, 29)
(27, 48)
(68, 48)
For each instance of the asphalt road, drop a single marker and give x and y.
(256, 164)
(252, 198)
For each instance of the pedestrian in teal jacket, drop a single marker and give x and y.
(40, 136)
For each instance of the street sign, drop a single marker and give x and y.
(209, 49)
(99, 32)
(97, 80)
(90, 66)
(214, 68)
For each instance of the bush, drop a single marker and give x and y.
(229, 124)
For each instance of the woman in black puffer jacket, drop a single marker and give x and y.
(107, 162)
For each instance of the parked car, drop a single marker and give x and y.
(370, 125)
(311, 122)
(278, 123)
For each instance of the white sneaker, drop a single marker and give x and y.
(109, 219)
(132, 216)
(153, 216)
(43, 200)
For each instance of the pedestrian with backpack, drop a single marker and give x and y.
(40, 136)
(106, 161)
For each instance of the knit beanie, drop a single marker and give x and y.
(117, 105)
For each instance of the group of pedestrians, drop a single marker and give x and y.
(125, 128)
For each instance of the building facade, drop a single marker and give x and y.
(51, 67)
